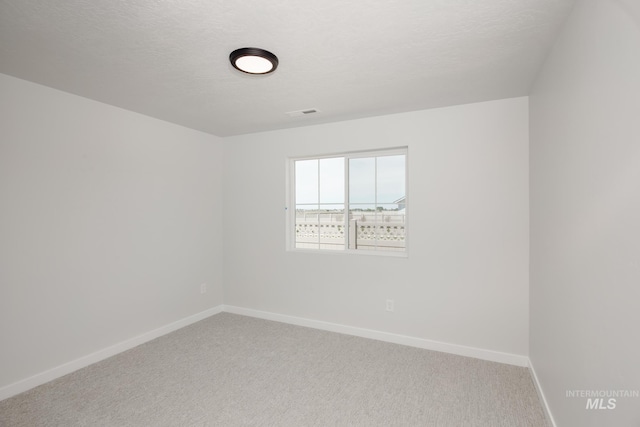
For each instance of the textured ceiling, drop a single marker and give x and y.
(169, 58)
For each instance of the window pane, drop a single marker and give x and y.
(332, 180)
(362, 180)
(382, 228)
(322, 228)
(362, 229)
(390, 213)
(306, 181)
(332, 227)
(391, 178)
(390, 228)
(307, 222)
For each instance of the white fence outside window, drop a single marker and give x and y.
(368, 230)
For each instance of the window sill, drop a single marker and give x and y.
(350, 252)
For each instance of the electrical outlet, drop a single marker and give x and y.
(389, 305)
(203, 288)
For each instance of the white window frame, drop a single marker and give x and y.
(290, 207)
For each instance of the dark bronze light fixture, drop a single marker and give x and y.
(252, 60)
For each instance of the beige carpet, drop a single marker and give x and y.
(231, 370)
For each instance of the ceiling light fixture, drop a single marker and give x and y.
(252, 60)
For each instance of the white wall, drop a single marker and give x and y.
(109, 223)
(585, 214)
(465, 281)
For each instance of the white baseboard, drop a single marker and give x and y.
(478, 353)
(57, 372)
(545, 404)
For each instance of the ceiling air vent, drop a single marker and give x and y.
(302, 112)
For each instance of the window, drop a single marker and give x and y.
(349, 202)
